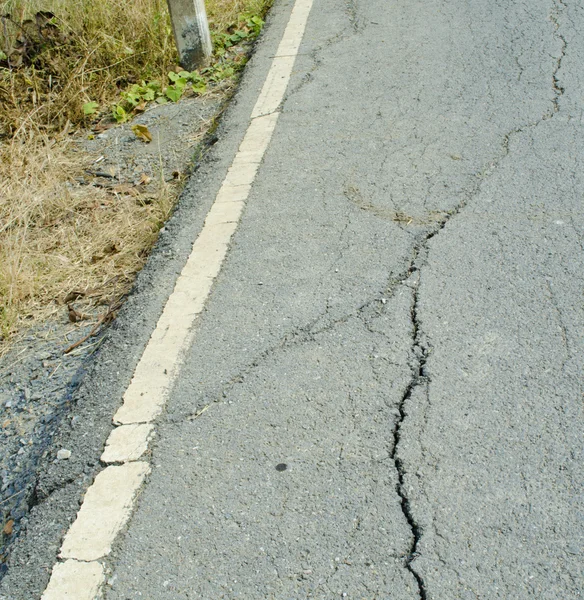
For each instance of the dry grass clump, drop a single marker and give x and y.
(57, 237)
(87, 52)
(60, 54)
(55, 56)
(224, 13)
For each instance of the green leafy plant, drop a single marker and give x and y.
(244, 29)
(120, 114)
(219, 71)
(254, 24)
(180, 80)
(90, 108)
(222, 41)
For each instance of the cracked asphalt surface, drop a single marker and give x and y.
(399, 323)
(384, 395)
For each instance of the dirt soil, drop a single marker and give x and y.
(123, 159)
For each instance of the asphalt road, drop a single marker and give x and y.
(384, 395)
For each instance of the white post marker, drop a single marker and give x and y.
(110, 499)
(191, 32)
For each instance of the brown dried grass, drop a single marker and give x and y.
(56, 236)
(97, 49)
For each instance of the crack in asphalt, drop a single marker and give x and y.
(366, 313)
(559, 90)
(353, 28)
(420, 349)
(353, 13)
(419, 377)
(561, 324)
(410, 276)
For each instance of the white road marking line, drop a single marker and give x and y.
(73, 580)
(106, 508)
(127, 442)
(109, 500)
(273, 91)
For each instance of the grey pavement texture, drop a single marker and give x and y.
(383, 399)
(399, 322)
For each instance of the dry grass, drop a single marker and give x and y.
(223, 13)
(96, 49)
(55, 236)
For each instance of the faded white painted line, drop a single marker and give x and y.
(109, 501)
(74, 580)
(273, 91)
(146, 395)
(127, 442)
(105, 510)
(277, 80)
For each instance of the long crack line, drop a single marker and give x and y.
(557, 87)
(420, 350)
(420, 353)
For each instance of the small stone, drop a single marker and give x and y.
(63, 454)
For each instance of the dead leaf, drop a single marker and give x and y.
(74, 315)
(144, 179)
(74, 295)
(101, 127)
(142, 132)
(8, 527)
(111, 248)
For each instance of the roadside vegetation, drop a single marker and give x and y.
(71, 68)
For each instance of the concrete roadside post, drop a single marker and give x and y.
(191, 32)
